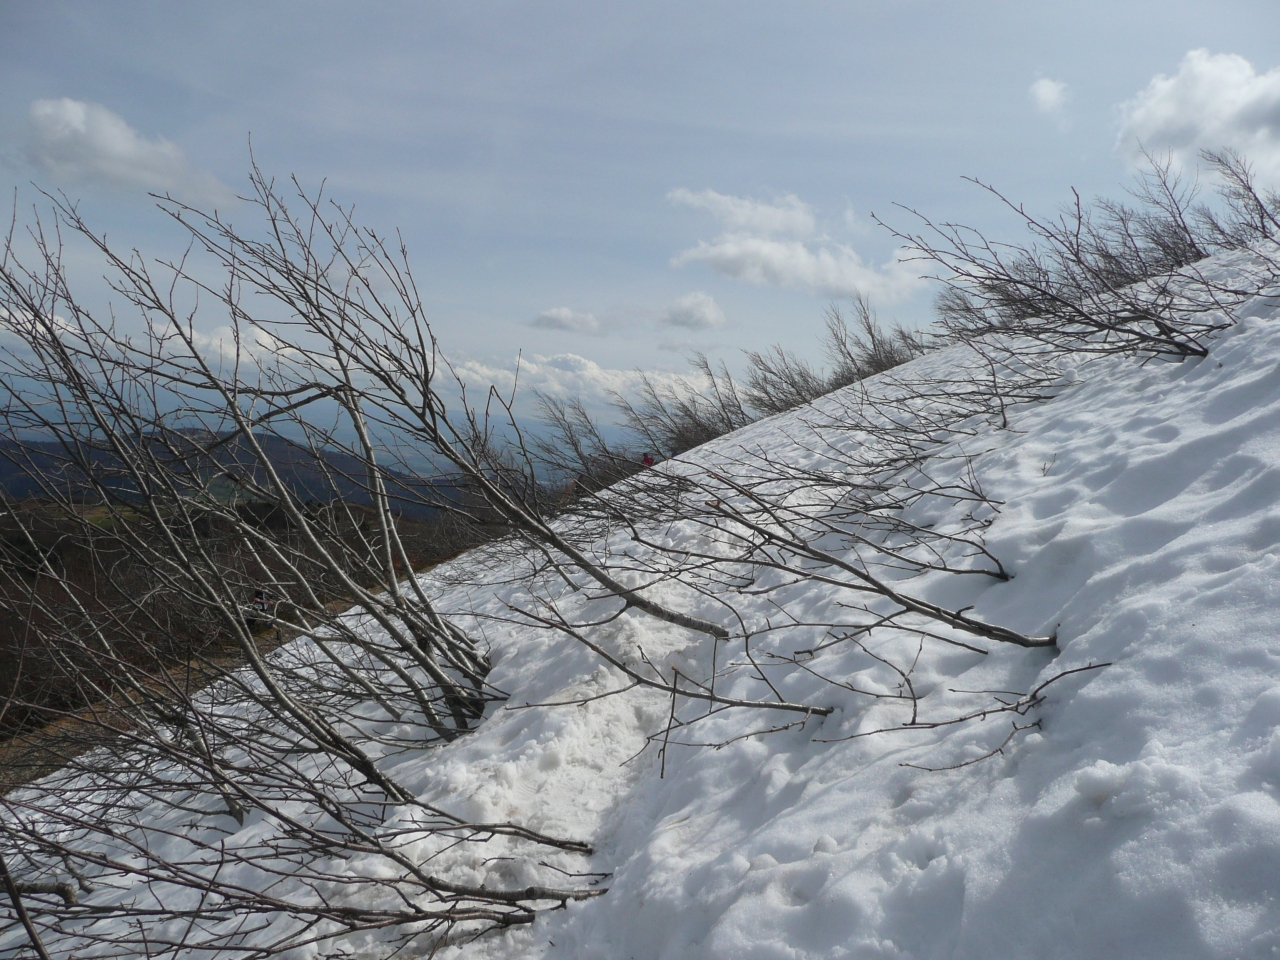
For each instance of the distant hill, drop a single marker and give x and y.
(231, 471)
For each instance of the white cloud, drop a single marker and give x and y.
(562, 375)
(855, 223)
(19, 329)
(834, 270)
(75, 140)
(247, 343)
(1213, 101)
(1049, 96)
(790, 215)
(751, 249)
(696, 311)
(562, 318)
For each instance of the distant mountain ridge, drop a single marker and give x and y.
(231, 472)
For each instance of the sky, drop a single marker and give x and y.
(605, 188)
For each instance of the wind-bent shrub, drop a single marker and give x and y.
(1106, 279)
(777, 381)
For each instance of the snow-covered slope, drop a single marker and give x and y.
(1140, 516)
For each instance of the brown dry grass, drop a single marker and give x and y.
(38, 752)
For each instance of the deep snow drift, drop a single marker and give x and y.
(1141, 818)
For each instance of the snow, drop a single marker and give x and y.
(1140, 517)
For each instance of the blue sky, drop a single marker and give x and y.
(606, 187)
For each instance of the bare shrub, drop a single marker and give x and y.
(151, 452)
(576, 457)
(869, 348)
(777, 381)
(1111, 278)
(673, 419)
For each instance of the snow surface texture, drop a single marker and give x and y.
(1141, 519)
(1142, 515)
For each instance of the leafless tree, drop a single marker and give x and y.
(159, 447)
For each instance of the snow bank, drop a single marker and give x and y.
(1142, 517)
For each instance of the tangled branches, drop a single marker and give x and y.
(230, 786)
(1107, 279)
(240, 788)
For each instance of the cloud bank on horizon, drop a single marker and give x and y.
(563, 376)
(1213, 101)
(75, 140)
